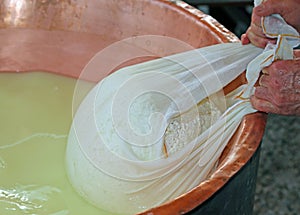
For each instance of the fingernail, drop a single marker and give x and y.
(244, 39)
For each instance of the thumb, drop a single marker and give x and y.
(268, 7)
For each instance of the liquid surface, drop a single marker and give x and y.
(35, 117)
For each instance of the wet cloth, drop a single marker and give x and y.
(117, 155)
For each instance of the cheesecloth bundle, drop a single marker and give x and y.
(152, 131)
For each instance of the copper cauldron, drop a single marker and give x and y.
(62, 36)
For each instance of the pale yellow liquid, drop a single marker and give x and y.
(35, 117)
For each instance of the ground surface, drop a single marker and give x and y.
(278, 181)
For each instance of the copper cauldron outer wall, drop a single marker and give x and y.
(61, 37)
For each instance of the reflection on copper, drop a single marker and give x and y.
(15, 10)
(45, 14)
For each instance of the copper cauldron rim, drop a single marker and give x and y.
(241, 147)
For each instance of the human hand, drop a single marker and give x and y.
(288, 9)
(279, 88)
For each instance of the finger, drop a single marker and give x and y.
(281, 84)
(283, 67)
(256, 22)
(268, 7)
(281, 99)
(264, 81)
(262, 93)
(297, 53)
(244, 39)
(256, 25)
(263, 105)
(278, 68)
(265, 71)
(268, 107)
(259, 41)
(257, 30)
(296, 83)
(274, 97)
